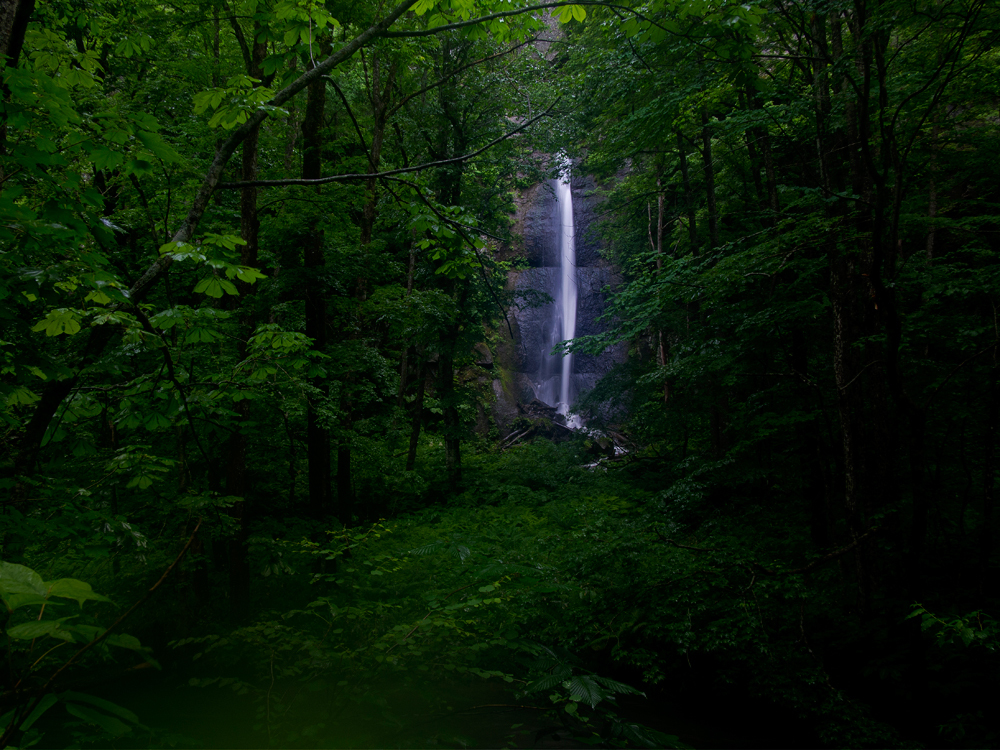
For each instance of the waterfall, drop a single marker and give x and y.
(554, 385)
(567, 279)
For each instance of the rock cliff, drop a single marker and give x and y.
(524, 365)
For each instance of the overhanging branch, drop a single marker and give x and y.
(391, 172)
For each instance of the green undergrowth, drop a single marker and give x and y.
(562, 585)
(543, 584)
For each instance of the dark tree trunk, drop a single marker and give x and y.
(14, 18)
(689, 203)
(345, 484)
(709, 167)
(417, 417)
(452, 423)
(811, 450)
(760, 135)
(317, 434)
(236, 475)
(920, 493)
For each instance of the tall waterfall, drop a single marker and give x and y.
(555, 386)
(567, 286)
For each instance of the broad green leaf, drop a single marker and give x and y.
(201, 335)
(98, 296)
(105, 158)
(586, 689)
(16, 601)
(109, 724)
(71, 588)
(28, 631)
(156, 421)
(47, 702)
(18, 579)
(248, 275)
(157, 146)
(21, 395)
(61, 320)
(111, 708)
(210, 286)
(617, 687)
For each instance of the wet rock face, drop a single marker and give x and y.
(537, 221)
(524, 358)
(586, 207)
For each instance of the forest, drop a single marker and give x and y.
(277, 467)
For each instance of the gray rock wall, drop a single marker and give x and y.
(522, 361)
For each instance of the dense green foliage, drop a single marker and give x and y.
(253, 276)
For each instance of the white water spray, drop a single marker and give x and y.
(567, 274)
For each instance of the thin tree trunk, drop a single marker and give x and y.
(919, 492)
(452, 424)
(688, 195)
(317, 434)
(410, 350)
(662, 346)
(811, 451)
(236, 475)
(762, 137)
(713, 214)
(417, 418)
(345, 484)
(932, 196)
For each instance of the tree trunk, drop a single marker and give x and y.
(14, 18)
(417, 418)
(317, 434)
(688, 196)
(713, 213)
(452, 423)
(662, 346)
(345, 484)
(811, 450)
(236, 475)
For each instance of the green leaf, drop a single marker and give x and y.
(21, 395)
(201, 335)
(98, 296)
(111, 708)
(71, 588)
(104, 158)
(549, 681)
(156, 421)
(47, 702)
(61, 320)
(16, 601)
(210, 286)
(18, 579)
(585, 689)
(28, 631)
(248, 275)
(618, 687)
(109, 724)
(159, 147)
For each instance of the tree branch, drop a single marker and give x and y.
(391, 172)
